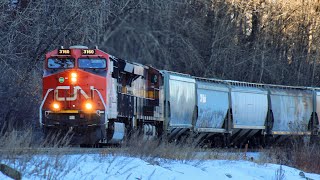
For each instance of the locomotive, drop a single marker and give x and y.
(102, 98)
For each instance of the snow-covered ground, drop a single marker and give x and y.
(99, 166)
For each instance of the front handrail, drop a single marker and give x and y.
(41, 106)
(49, 90)
(104, 104)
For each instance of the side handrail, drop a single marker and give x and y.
(104, 104)
(41, 106)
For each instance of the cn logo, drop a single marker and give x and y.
(74, 94)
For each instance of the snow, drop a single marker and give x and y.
(114, 167)
(4, 177)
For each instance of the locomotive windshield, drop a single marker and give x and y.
(92, 63)
(60, 63)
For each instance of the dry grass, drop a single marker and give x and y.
(29, 153)
(47, 157)
(302, 155)
(182, 150)
(305, 157)
(137, 147)
(27, 141)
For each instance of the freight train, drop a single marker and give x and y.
(102, 98)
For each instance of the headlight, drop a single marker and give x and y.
(74, 79)
(56, 106)
(88, 106)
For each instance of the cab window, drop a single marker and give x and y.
(60, 63)
(92, 63)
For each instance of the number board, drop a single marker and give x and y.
(64, 52)
(88, 51)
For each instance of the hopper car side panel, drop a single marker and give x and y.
(213, 104)
(181, 100)
(292, 110)
(249, 107)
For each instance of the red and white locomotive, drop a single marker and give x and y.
(98, 96)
